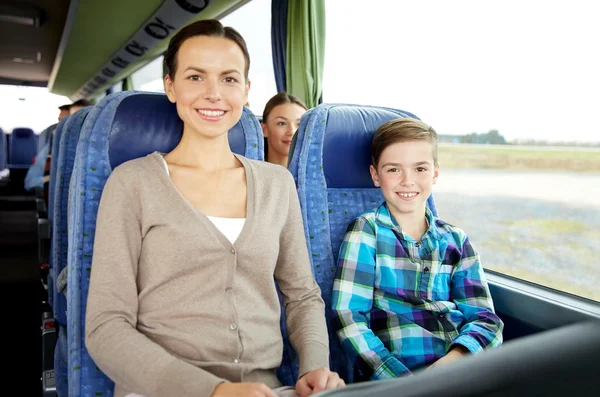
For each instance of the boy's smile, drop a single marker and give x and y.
(406, 174)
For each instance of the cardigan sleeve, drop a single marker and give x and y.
(305, 309)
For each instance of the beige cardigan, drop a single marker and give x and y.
(174, 308)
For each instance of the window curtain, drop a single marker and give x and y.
(305, 52)
(279, 12)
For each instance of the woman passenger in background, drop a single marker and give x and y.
(281, 118)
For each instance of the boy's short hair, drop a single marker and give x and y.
(403, 130)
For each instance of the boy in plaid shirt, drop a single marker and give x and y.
(409, 291)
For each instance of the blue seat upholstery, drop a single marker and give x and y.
(121, 127)
(44, 137)
(54, 141)
(62, 161)
(22, 146)
(330, 164)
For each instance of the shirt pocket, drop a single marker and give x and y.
(442, 283)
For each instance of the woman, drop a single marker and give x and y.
(182, 300)
(280, 121)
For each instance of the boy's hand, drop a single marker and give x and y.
(457, 352)
(318, 380)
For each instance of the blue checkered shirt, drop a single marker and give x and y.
(400, 304)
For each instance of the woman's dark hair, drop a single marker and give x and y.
(281, 99)
(209, 27)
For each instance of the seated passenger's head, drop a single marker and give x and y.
(79, 105)
(64, 111)
(206, 74)
(405, 163)
(281, 118)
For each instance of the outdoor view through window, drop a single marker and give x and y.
(512, 88)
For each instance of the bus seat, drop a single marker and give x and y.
(330, 164)
(44, 137)
(64, 158)
(121, 127)
(54, 141)
(21, 148)
(3, 152)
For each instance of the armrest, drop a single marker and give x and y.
(39, 192)
(48, 346)
(44, 233)
(41, 207)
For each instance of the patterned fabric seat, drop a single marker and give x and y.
(54, 143)
(62, 165)
(121, 127)
(330, 164)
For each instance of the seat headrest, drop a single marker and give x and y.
(150, 122)
(349, 131)
(23, 132)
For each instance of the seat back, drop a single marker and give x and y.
(63, 161)
(3, 150)
(22, 147)
(65, 145)
(44, 137)
(330, 164)
(121, 127)
(53, 145)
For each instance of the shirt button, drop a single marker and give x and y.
(441, 315)
(233, 250)
(426, 270)
(236, 361)
(233, 327)
(228, 290)
(417, 244)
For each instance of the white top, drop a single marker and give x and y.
(229, 227)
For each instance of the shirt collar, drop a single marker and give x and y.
(384, 218)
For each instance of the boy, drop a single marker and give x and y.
(409, 289)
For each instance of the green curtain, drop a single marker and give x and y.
(305, 54)
(127, 84)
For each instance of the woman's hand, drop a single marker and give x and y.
(242, 390)
(318, 380)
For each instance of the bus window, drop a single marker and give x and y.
(511, 87)
(149, 77)
(253, 21)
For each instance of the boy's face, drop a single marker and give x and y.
(406, 174)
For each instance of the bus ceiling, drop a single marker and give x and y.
(30, 33)
(79, 48)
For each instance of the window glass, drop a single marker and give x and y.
(512, 89)
(30, 107)
(149, 77)
(253, 22)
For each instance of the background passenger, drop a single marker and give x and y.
(64, 111)
(409, 290)
(182, 299)
(281, 119)
(82, 103)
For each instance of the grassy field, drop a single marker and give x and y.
(505, 157)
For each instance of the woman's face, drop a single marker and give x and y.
(209, 87)
(281, 125)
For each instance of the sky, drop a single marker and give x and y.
(528, 69)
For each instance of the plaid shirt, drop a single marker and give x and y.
(401, 304)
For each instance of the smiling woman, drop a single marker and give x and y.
(148, 289)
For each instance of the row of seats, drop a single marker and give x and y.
(333, 189)
(20, 148)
